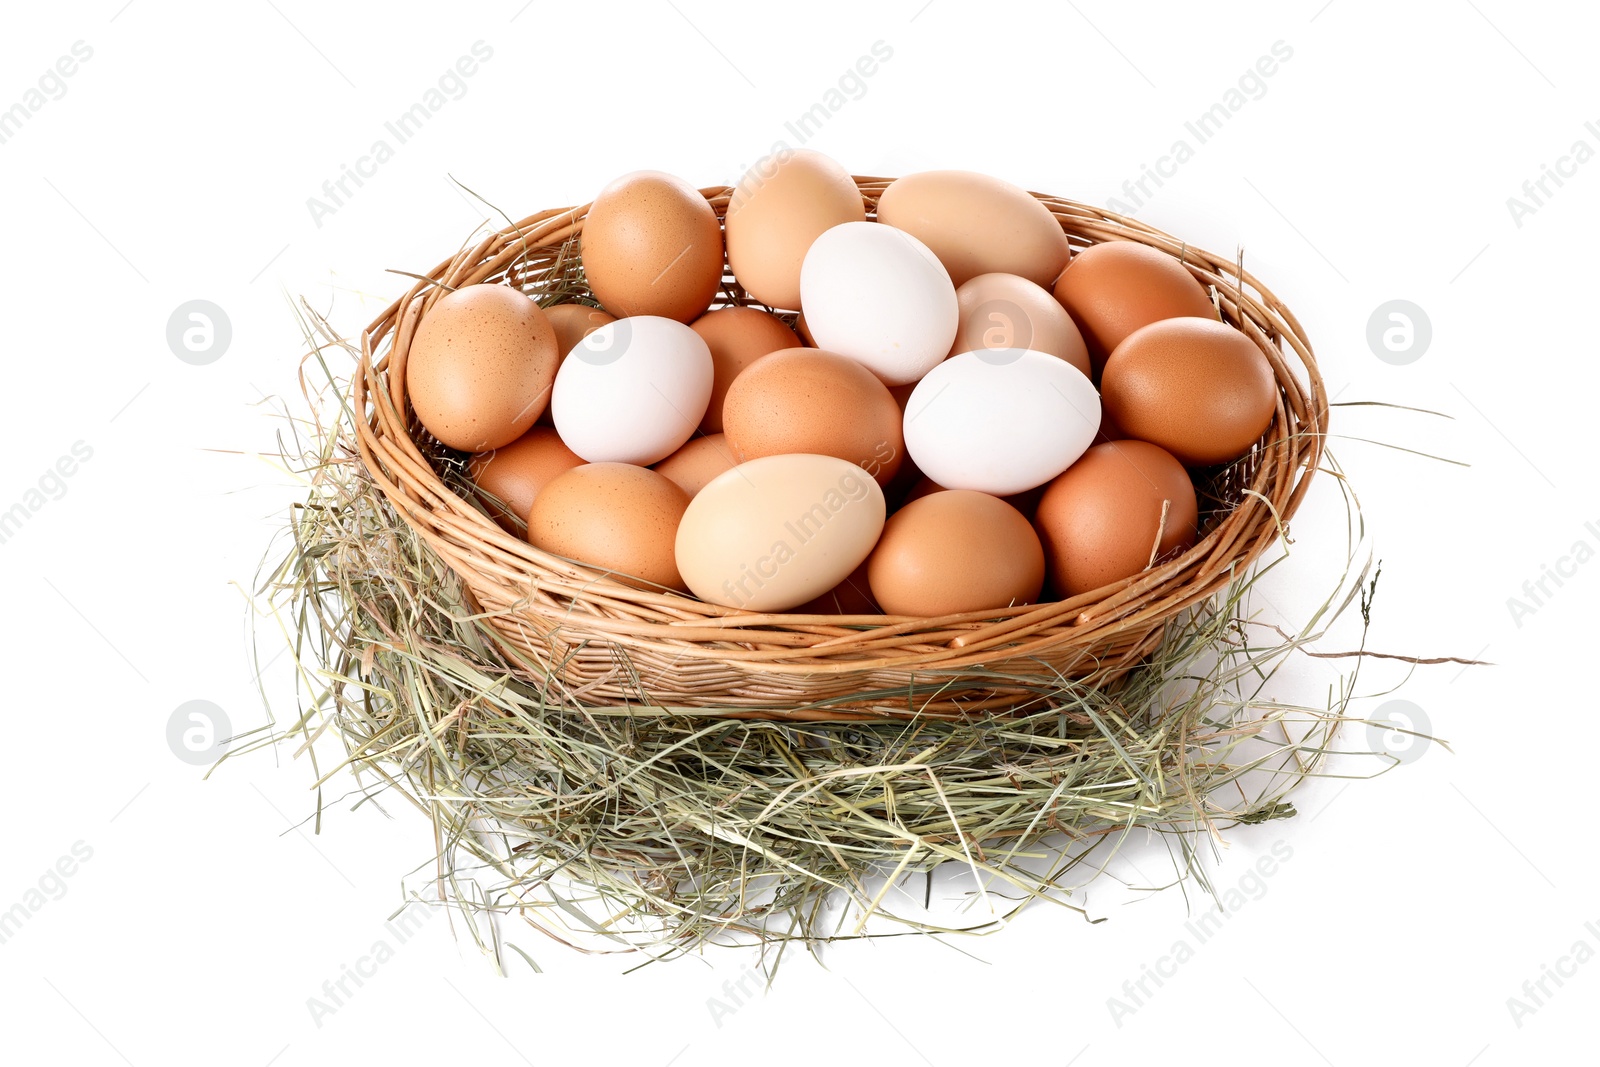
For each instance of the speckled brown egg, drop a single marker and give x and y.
(778, 208)
(572, 322)
(1099, 520)
(1198, 388)
(737, 337)
(1008, 311)
(1112, 289)
(954, 551)
(515, 474)
(480, 367)
(697, 462)
(805, 400)
(613, 516)
(652, 245)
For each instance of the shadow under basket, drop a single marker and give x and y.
(594, 641)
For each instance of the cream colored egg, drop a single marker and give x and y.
(779, 207)
(777, 532)
(976, 224)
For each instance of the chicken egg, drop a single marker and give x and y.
(693, 466)
(633, 391)
(572, 322)
(977, 225)
(955, 551)
(652, 245)
(778, 531)
(812, 401)
(1122, 506)
(779, 207)
(877, 295)
(615, 517)
(1197, 387)
(1008, 311)
(1000, 420)
(480, 365)
(515, 474)
(737, 337)
(1026, 501)
(1113, 288)
(853, 596)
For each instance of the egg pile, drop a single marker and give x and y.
(963, 416)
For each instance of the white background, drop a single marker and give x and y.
(1377, 165)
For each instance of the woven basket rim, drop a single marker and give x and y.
(548, 606)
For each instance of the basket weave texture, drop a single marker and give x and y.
(606, 643)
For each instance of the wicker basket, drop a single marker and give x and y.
(607, 643)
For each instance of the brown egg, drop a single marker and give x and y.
(572, 322)
(1112, 289)
(651, 245)
(737, 337)
(696, 463)
(480, 367)
(925, 487)
(905, 479)
(778, 208)
(1109, 430)
(517, 472)
(853, 596)
(955, 551)
(1026, 501)
(1099, 519)
(613, 516)
(803, 330)
(1007, 311)
(976, 225)
(1198, 388)
(809, 401)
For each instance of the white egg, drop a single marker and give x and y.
(632, 391)
(1000, 421)
(881, 297)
